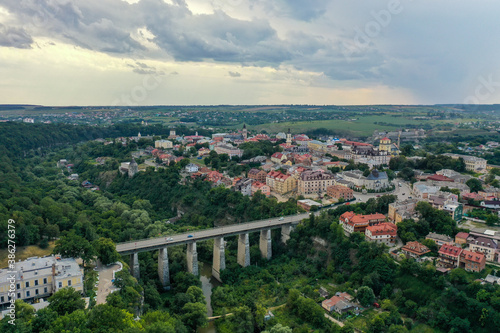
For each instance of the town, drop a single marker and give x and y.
(436, 210)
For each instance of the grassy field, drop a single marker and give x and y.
(25, 252)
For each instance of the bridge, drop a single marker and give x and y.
(219, 260)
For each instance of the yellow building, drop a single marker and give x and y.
(284, 183)
(40, 277)
(389, 147)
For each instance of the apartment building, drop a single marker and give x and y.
(165, 144)
(352, 222)
(472, 163)
(314, 182)
(284, 183)
(472, 261)
(414, 250)
(340, 192)
(258, 175)
(41, 277)
(448, 256)
(400, 210)
(382, 233)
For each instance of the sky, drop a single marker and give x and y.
(249, 52)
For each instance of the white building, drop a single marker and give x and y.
(165, 144)
(41, 277)
(191, 167)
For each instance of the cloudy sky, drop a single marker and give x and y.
(144, 52)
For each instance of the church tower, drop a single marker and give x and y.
(132, 168)
(244, 132)
(289, 138)
(385, 145)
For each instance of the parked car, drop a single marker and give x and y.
(190, 236)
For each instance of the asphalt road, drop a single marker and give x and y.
(402, 192)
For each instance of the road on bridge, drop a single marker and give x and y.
(200, 235)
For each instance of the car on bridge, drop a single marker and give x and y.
(282, 218)
(190, 236)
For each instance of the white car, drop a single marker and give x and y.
(170, 239)
(282, 218)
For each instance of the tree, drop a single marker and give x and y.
(365, 296)
(66, 300)
(194, 315)
(492, 220)
(278, 328)
(73, 246)
(106, 251)
(105, 318)
(196, 294)
(474, 185)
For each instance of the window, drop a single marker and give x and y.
(60, 284)
(69, 282)
(44, 280)
(36, 282)
(27, 284)
(1, 299)
(28, 293)
(45, 290)
(36, 291)
(18, 295)
(18, 286)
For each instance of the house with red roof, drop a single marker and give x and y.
(352, 222)
(258, 186)
(461, 238)
(414, 250)
(449, 256)
(384, 233)
(278, 157)
(472, 261)
(271, 176)
(340, 303)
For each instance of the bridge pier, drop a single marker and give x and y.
(265, 244)
(163, 268)
(243, 250)
(134, 265)
(192, 258)
(219, 261)
(285, 233)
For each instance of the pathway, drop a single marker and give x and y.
(105, 286)
(341, 324)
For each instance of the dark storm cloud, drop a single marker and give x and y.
(14, 37)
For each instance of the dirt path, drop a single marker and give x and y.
(341, 324)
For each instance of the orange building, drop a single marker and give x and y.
(352, 222)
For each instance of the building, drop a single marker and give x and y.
(229, 150)
(455, 210)
(385, 145)
(376, 180)
(382, 233)
(284, 183)
(472, 261)
(262, 187)
(448, 256)
(440, 240)
(191, 167)
(244, 186)
(401, 210)
(165, 144)
(278, 157)
(258, 175)
(289, 138)
(352, 222)
(461, 238)
(340, 303)
(340, 192)
(307, 204)
(414, 250)
(314, 182)
(41, 277)
(472, 163)
(487, 246)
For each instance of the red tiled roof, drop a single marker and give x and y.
(462, 235)
(416, 247)
(383, 229)
(450, 250)
(472, 256)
